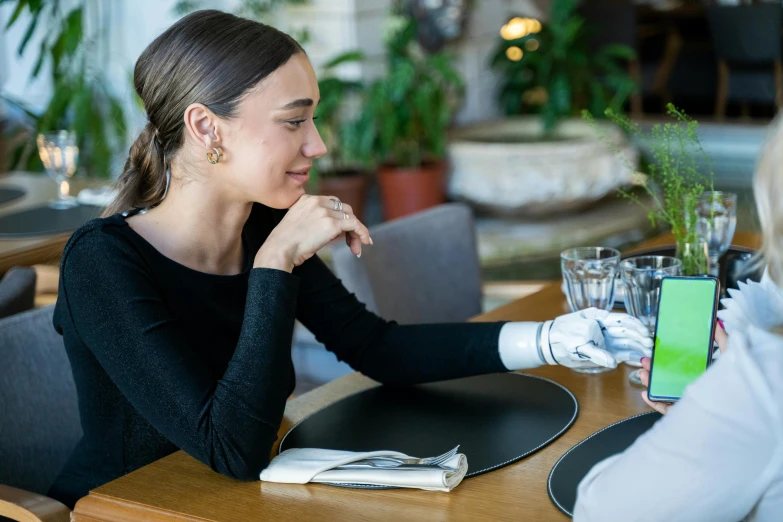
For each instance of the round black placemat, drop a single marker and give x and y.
(45, 221)
(496, 419)
(10, 193)
(577, 462)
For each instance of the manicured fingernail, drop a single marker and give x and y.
(720, 323)
(359, 255)
(371, 241)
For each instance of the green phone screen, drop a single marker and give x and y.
(683, 337)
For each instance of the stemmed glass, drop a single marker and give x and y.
(588, 274)
(60, 155)
(716, 220)
(641, 278)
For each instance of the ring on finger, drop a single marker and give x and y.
(337, 205)
(345, 215)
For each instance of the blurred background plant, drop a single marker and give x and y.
(337, 120)
(552, 70)
(406, 112)
(81, 100)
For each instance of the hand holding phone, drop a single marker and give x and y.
(644, 377)
(683, 335)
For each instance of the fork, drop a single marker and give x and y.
(427, 461)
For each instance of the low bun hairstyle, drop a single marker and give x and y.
(207, 57)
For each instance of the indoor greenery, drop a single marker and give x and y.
(406, 113)
(556, 73)
(335, 122)
(673, 179)
(81, 100)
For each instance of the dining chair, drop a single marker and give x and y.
(422, 268)
(39, 417)
(17, 290)
(747, 40)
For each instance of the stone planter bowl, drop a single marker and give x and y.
(506, 167)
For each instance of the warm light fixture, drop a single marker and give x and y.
(531, 45)
(519, 27)
(514, 53)
(535, 26)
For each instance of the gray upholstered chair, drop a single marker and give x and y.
(17, 291)
(422, 268)
(39, 416)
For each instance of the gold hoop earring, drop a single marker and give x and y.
(214, 157)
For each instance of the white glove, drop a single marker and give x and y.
(583, 339)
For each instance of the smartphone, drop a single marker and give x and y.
(684, 333)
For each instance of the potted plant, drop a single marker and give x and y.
(81, 99)
(542, 158)
(555, 73)
(674, 181)
(404, 120)
(341, 173)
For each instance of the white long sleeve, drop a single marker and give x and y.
(716, 456)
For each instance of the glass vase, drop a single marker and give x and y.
(693, 251)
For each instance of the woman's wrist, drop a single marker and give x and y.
(273, 258)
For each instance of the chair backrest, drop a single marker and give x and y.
(746, 34)
(39, 416)
(17, 291)
(422, 268)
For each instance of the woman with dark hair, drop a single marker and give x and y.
(177, 307)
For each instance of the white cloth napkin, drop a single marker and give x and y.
(303, 465)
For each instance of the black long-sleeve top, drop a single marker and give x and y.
(165, 357)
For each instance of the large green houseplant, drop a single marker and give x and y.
(554, 72)
(341, 173)
(81, 99)
(404, 120)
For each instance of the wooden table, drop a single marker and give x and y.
(180, 488)
(39, 189)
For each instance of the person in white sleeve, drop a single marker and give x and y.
(716, 455)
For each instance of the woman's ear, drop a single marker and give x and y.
(202, 126)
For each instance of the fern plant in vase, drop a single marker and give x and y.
(675, 180)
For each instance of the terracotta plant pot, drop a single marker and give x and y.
(406, 191)
(349, 186)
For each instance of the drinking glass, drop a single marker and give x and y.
(60, 155)
(716, 220)
(641, 278)
(588, 274)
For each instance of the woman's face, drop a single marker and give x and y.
(271, 144)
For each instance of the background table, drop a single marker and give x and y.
(180, 488)
(39, 188)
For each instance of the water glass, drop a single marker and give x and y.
(59, 154)
(641, 278)
(589, 274)
(716, 220)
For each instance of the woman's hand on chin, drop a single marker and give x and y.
(309, 225)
